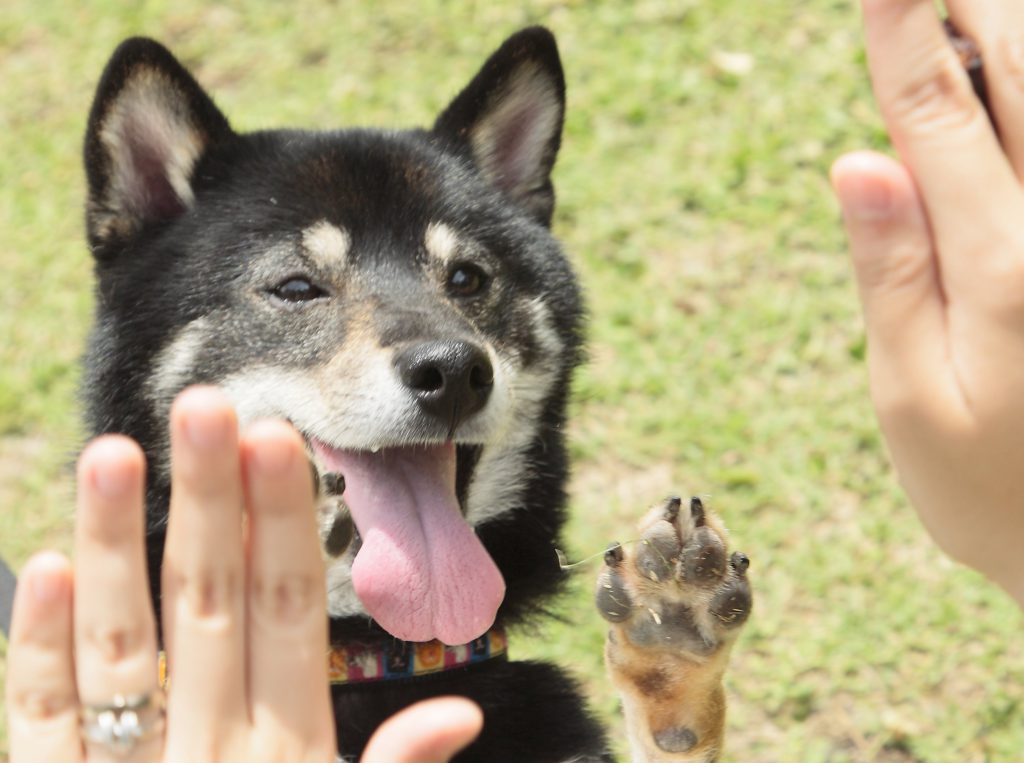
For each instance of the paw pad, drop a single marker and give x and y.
(703, 557)
(676, 739)
(678, 588)
(337, 530)
(658, 552)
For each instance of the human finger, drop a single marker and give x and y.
(997, 29)
(428, 732)
(42, 703)
(204, 577)
(289, 694)
(945, 139)
(898, 280)
(115, 636)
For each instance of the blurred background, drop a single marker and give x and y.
(726, 348)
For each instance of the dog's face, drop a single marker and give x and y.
(396, 296)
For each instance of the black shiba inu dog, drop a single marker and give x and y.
(398, 297)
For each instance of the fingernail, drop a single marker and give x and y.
(109, 465)
(871, 200)
(111, 481)
(862, 194)
(272, 457)
(46, 585)
(206, 430)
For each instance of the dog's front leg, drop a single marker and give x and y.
(675, 601)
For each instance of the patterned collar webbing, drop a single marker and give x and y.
(355, 663)
(404, 659)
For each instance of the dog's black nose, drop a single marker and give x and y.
(451, 379)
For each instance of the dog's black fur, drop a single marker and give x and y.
(163, 261)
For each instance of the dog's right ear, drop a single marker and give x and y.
(150, 123)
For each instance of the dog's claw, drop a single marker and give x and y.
(613, 555)
(740, 562)
(697, 511)
(672, 508)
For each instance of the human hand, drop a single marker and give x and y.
(243, 602)
(938, 248)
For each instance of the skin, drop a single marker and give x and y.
(244, 592)
(938, 250)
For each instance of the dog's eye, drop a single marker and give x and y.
(297, 290)
(466, 280)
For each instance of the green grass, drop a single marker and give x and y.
(726, 346)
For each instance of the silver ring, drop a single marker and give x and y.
(124, 722)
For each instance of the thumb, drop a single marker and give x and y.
(897, 272)
(427, 732)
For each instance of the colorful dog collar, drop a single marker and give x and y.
(354, 663)
(357, 663)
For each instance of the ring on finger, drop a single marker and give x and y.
(124, 722)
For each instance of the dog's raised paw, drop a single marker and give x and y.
(675, 601)
(678, 589)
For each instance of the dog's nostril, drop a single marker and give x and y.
(426, 379)
(481, 377)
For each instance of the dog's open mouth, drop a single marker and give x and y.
(421, 571)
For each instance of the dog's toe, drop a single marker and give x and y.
(703, 558)
(613, 600)
(658, 552)
(731, 604)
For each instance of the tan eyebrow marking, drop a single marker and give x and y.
(441, 242)
(327, 243)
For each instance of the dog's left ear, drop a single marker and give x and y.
(510, 117)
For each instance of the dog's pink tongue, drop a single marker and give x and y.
(422, 573)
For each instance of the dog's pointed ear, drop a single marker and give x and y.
(150, 124)
(510, 117)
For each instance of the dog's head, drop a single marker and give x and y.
(396, 296)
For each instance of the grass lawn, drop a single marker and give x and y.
(726, 346)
